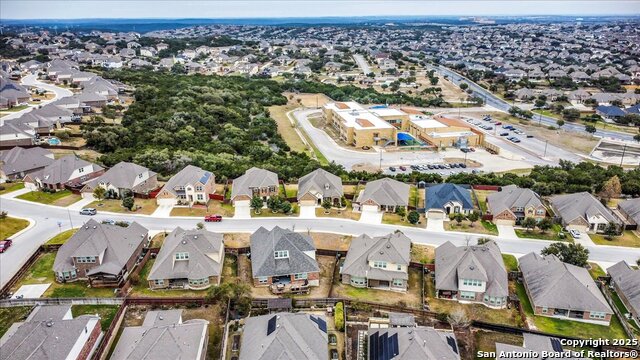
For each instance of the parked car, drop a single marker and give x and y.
(504, 133)
(464, 150)
(498, 123)
(109, 222)
(5, 244)
(213, 218)
(88, 211)
(392, 169)
(402, 168)
(574, 233)
(472, 149)
(463, 165)
(529, 136)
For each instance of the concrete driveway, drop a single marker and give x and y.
(435, 224)
(371, 216)
(308, 211)
(507, 231)
(163, 211)
(13, 194)
(82, 202)
(243, 210)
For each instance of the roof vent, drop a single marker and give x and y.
(195, 236)
(95, 227)
(471, 267)
(381, 252)
(184, 241)
(388, 246)
(49, 323)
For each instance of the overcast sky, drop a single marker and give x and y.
(79, 9)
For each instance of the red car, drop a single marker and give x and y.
(4, 245)
(213, 218)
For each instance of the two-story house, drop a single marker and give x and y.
(102, 254)
(379, 262)
(191, 185)
(69, 170)
(512, 204)
(471, 274)
(255, 182)
(283, 259)
(124, 176)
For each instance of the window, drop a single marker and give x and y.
(198, 188)
(519, 209)
(399, 267)
(470, 282)
(159, 282)
(380, 264)
(203, 281)
(540, 212)
(182, 256)
(81, 170)
(281, 254)
(597, 315)
(200, 197)
(263, 280)
(357, 281)
(468, 295)
(301, 276)
(545, 309)
(398, 283)
(85, 259)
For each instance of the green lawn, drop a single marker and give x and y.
(41, 272)
(628, 239)
(295, 211)
(510, 262)
(10, 187)
(9, 226)
(489, 227)
(10, 315)
(395, 219)
(142, 288)
(412, 298)
(551, 234)
(59, 198)
(142, 206)
(596, 271)
(569, 327)
(106, 312)
(62, 237)
(623, 309)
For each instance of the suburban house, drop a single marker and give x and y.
(383, 195)
(188, 259)
(124, 176)
(16, 163)
(297, 336)
(164, 335)
(379, 262)
(69, 170)
(626, 282)
(630, 210)
(318, 186)
(444, 199)
(582, 212)
(512, 204)
(562, 290)
(283, 258)
(255, 182)
(409, 343)
(51, 332)
(16, 134)
(103, 254)
(190, 185)
(474, 273)
(11, 94)
(534, 343)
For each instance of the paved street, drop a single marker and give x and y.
(32, 80)
(362, 63)
(49, 220)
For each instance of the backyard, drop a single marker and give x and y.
(141, 287)
(58, 198)
(10, 226)
(628, 238)
(568, 327)
(424, 254)
(412, 298)
(485, 341)
(510, 262)
(106, 313)
(142, 206)
(482, 198)
(41, 272)
(10, 315)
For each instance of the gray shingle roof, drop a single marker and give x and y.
(190, 175)
(579, 206)
(60, 170)
(166, 339)
(628, 281)
(558, 285)
(386, 191)
(296, 337)
(632, 208)
(438, 195)
(476, 262)
(123, 175)
(201, 245)
(18, 159)
(265, 242)
(512, 196)
(421, 343)
(322, 182)
(118, 243)
(532, 343)
(394, 248)
(253, 178)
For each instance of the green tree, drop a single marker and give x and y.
(473, 217)
(483, 240)
(286, 207)
(326, 205)
(238, 293)
(413, 217)
(570, 114)
(610, 230)
(256, 204)
(401, 211)
(200, 225)
(99, 193)
(544, 224)
(339, 316)
(560, 123)
(274, 203)
(590, 129)
(529, 223)
(458, 218)
(571, 253)
(464, 86)
(611, 188)
(128, 202)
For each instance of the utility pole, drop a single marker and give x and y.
(70, 221)
(624, 149)
(546, 142)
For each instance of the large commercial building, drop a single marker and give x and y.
(358, 126)
(443, 132)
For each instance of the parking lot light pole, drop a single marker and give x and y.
(546, 142)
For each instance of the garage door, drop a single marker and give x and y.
(580, 228)
(166, 201)
(435, 214)
(86, 195)
(369, 208)
(504, 222)
(307, 203)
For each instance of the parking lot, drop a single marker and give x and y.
(436, 168)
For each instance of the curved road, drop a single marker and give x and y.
(498, 103)
(49, 220)
(32, 80)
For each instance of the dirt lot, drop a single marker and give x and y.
(86, 154)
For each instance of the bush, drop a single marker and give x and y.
(135, 279)
(339, 316)
(413, 217)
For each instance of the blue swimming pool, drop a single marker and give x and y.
(406, 139)
(54, 141)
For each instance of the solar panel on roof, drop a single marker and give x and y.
(393, 345)
(452, 343)
(555, 344)
(383, 346)
(271, 325)
(322, 325)
(373, 346)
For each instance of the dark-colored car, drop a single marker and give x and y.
(529, 136)
(462, 165)
(5, 244)
(392, 169)
(88, 211)
(504, 133)
(402, 168)
(213, 218)
(498, 123)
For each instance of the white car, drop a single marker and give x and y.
(574, 233)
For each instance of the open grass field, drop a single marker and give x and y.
(41, 272)
(142, 206)
(568, 327)
(10, 226)
(10, 315)
(628, 238)
(286, 129)
(62, 237)
(10, 187)
(58, 198)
